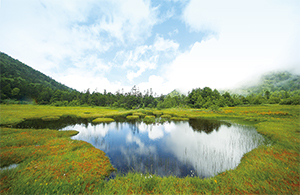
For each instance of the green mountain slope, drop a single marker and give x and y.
(174, 93)
(21, 81)
(276, 81)
(272, 82)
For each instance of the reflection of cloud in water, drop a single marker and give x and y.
(214, 152)
(154, 131)
(169, 127)
(138, 155)
(141, 149)
(92, 134)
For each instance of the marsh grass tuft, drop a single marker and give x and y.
(179, 119)
(149, 119)
(133, 117)
(140, 114)
(50, 118)
(103, 120)
(166, 116)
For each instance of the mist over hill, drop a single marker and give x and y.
(272, 82)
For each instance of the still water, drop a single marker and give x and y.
(200, 148)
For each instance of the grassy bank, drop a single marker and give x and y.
(50, 162)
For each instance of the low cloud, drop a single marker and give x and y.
(246, 40)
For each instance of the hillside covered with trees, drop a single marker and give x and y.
(22, 84)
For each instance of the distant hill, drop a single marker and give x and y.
(174, 93)
(272, 81)
(19, 80)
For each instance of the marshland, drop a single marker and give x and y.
(149, 97)
(74, 156)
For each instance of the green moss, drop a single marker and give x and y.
(157, 113)
(179, 119)
(139, 114)
(103, 120)
(50, 118)
(166, 116)
(149, 119)
(149, 116)
(132, 117)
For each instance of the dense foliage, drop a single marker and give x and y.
(22, 84)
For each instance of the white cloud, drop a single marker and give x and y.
(146, 57)
(143, 66)
(156, 83)
(84, 80)
(162, 44)
(250, 39)
(130, 19)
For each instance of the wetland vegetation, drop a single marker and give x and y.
(49, 161)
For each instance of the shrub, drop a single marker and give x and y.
(214, 108)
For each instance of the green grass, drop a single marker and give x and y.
(103, 120)
(50, 162)
(149, 119)
(179, 119)
(132, 117)
(166, 116)
(140, 114)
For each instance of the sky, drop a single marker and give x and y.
(163, 44)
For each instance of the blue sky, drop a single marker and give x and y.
(163, 45)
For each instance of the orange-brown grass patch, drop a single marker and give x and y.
(52, 162)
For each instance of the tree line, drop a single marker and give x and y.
(197, 98)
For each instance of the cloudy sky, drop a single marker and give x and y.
(161, 44)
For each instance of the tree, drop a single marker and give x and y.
(15, 92)
(267, 93)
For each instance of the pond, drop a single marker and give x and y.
(200, 148)
(197, 148)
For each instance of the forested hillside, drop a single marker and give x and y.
(22, 84)
(19, 81)
(276, 81)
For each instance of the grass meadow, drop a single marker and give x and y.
(50, 162)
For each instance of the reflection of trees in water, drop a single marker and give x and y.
(207, 125)
(133, 127)
(54, 124)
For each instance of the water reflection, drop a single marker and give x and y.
(62, 122)
(207, 125)
(196, 148)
